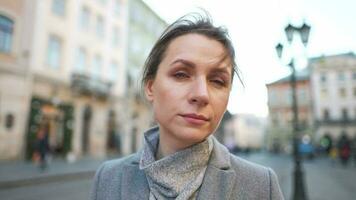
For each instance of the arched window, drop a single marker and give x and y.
(6, 31)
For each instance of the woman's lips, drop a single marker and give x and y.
(195, 119)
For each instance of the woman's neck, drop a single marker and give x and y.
(169, 145)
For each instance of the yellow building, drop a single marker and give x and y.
(62, 65)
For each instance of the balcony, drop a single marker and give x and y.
(82, 84)
(341, 121)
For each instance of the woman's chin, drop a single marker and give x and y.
(192, 135)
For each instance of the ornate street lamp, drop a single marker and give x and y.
(304, 33)
(299, 192)
(289, 30)
(279, 49)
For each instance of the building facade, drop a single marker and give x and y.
(145, 27)
(65, 62)
(14, 78)
(333, 81)
(279, 130)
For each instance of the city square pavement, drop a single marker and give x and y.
(63, 180)
(21, 173)
(323, 179)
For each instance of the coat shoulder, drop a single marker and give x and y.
(118, 164)
(246, 166)
(257, 180)
(108, 177)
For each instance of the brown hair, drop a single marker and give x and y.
(190, 23)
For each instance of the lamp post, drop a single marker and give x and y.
(299, 192)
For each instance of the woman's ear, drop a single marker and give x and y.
(149, 90)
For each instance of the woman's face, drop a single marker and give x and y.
(191, 89)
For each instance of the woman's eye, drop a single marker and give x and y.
(181, 75)
(219, 82)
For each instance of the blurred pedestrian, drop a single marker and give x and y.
(344, 149)
(326, 144)
(353, 150)
(333, 155)
(187, 79)
(43, 144)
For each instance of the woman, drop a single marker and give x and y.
(187, 79)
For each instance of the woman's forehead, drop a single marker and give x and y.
(195, 49)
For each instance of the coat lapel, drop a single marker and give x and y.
(134, 183)
(217, 184)
(219, 179)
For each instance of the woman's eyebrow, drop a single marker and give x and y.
(184, 62)
(223, 70)
(220, 70)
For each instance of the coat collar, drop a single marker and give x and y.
(218, 173)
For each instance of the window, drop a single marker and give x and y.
(342, 92)
(302, 96)
(54, 52)
(58, 7)
(323, 78)
(100, 26)
(345, 115)
(341, 76)
(102, 1)
(354, 76)
(324, 93)
(289, 97)
(113, 70)
(326, 114)
(84, 18)
(6, 31)
(117, 7)
(9, 120)
(96, 67)
(272, 97)
(115, 37)
(81, 58)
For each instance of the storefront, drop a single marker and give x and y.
(58, 118)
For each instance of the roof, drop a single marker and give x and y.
(301, 75)
(322, 57)
(304, 73)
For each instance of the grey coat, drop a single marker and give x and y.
(226, 177)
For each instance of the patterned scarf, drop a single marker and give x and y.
(177, 176)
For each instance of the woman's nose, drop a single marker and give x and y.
(199, 93)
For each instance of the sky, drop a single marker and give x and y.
(257, 26)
